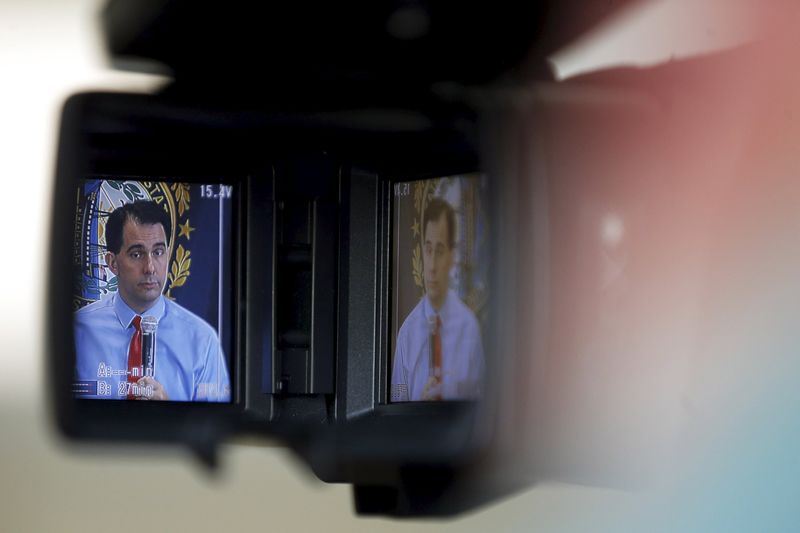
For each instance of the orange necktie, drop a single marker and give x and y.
(135, 356)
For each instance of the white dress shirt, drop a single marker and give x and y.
(190, 364)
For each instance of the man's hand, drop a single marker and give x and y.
(432, 390)
(159, 393)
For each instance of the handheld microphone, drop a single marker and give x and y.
(149, 326)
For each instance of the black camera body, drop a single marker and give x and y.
(308, 145)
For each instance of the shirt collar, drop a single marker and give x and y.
(125, 314)
(444, 311)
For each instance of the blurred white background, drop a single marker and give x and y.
(50, 49)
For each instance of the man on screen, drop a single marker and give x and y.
(439, 355)
(189, 365)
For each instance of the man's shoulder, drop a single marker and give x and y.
(414, 319)
(186, 319)
(94, 309)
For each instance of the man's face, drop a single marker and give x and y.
(141, 264)
(437, 260)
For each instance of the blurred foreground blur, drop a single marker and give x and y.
(673, 283)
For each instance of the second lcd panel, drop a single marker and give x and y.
(440, 289)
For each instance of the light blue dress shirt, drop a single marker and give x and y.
(462, 352)
(189, 361)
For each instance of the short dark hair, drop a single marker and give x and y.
(433, 211)
(140, 212)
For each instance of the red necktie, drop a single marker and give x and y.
(437, 353)
(135, 356)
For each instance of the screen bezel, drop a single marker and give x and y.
(167, 421)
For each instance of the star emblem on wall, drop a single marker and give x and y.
(185, 230)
